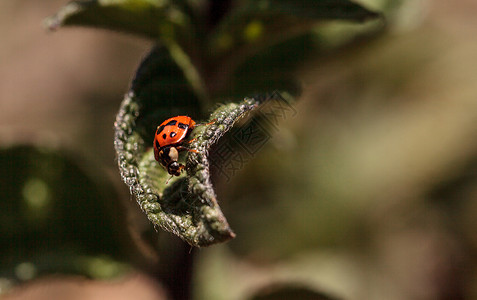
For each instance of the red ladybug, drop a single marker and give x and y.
(169, 140)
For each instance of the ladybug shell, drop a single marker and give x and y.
(173, 131)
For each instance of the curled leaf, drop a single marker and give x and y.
(187, 206)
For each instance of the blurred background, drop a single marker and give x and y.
(368, 192)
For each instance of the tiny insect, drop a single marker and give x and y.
(169, 140)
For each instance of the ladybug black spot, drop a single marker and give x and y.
(164, 136)
(173, 122)
(157, 144)
(173, 134)
(182, 126)
(159, 129)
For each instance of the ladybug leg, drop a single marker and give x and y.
(182, 148)
(205, 124)
(181, 167)
(194, 139)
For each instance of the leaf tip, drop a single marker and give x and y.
(59, 19)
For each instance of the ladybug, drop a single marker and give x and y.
(169, 139)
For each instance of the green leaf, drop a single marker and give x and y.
(170, 22)
(290, 291)
(313, 9)
(259, 23)
(151, 18)
(261, 72)
(212, 63)
(259, 45)
(57, 216)
(187, 205)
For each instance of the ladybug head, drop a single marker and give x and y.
(169, 157)
(174, 168)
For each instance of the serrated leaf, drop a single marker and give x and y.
(151, 18)
(187, 205)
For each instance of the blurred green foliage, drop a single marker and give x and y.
(57, 217)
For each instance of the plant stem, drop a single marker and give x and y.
(174, 271)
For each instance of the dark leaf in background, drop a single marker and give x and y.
(55, 217)
(248, 32)
(261, 72)
(154, 18)
(212, 63)
(286, 292)
(257, 23)
(166, 21)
